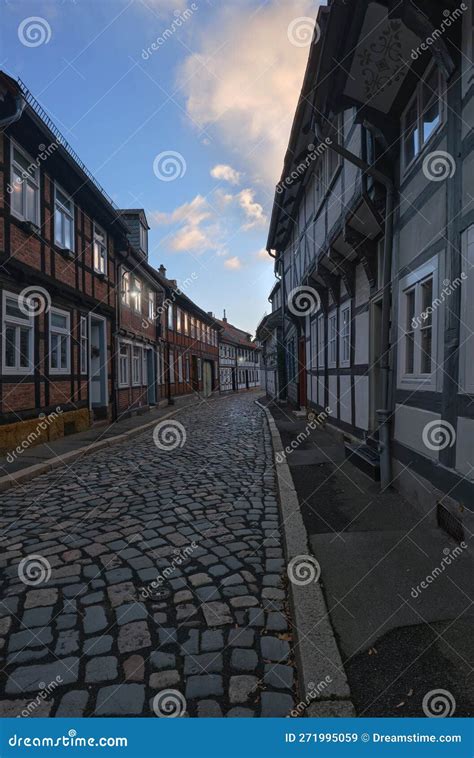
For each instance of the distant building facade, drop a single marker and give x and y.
(239, 359)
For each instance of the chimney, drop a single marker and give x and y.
(225, 317)
(162, 270)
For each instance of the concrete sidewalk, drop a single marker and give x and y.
(38, 459)
(375, 551)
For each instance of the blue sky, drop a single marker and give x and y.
(194, 131)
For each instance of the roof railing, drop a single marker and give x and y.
(39, 110)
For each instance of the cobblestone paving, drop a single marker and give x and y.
(146, 581)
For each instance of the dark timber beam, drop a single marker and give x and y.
(346, 269)
(365, 250)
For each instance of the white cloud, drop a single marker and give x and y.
(253, 211)
(262, 255)
(245, 79)
(233, 263)
(226, 173)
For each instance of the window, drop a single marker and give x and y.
(126, 287)
(186, 324)
(83, 344)
(123, 365)
(345, 338)
(59, 341)
(198, 330)
(100, 250)
(137, 295)
(422, 116)
(199, 362)
(171, 360)
(188, 374)
(136, 365)
(17, 337)
(180, 368)
(314, 344)
(193, 327)
(151, 305)
(332, 360)
(418, 322)
(178, 320)
(24, 186)
(170, 317)
(63, 219)
(143, 239)
(466, 350)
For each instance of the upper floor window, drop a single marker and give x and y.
(59, 341)
(332, 325)
(193, 327)
(186, 323)
(143, 238)
(345, 341)
(100, 250)
(137, 295)
(151, 305)
(178, 320)
(24, 187)
(63, 219)
(126, 287)
(83, 344)
(17, 336)
(170, 317)
(422, 116)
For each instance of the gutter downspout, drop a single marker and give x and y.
(383, 414)
(20, 107)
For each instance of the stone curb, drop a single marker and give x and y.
(313, 629)
(31, 472)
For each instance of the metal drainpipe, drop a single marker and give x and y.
(383, 414)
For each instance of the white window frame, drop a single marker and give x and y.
(65, 212)
(151, 305)
(17, 323)
(345, 336)
(332, 339)
(137, 295)
(136, 359)
(466, 365)
(83, 344)
(199, 369)
(61, 332)
(125, 286)
(414, 280)
(417, 97)
(180, 368)
(124, 363)
(170, 318)
(99, 249)
(28, 180)
(186, 324)
(179, 320)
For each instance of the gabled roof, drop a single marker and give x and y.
(235, 335)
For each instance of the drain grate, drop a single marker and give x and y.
(450, 523)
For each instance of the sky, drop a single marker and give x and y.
(181, 108)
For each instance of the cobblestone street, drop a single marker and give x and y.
(145, 580)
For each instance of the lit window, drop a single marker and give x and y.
(126, 287)
(151, 305)
(178, 319)
(59, 341)
(17, 337)
(193, 327)
(137, 295)
(100, 250)
(186, 323)
(24, 186)
(63, 220)
(170, 317)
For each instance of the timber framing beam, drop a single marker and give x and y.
(365, 250)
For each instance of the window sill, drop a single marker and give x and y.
(65, 252)
(30, 227)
